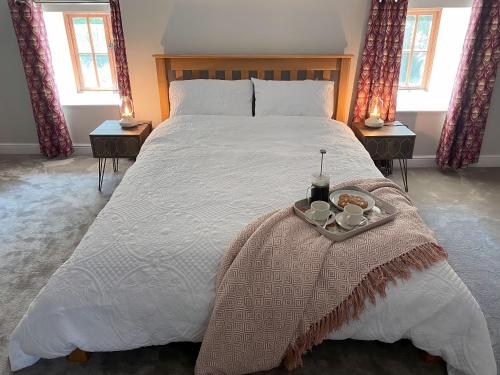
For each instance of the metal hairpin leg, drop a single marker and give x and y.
(115, 165)
(403, 164)
(102, 168)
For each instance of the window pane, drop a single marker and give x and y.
(404, 69)
(87, 67)
(98, 35)
(104, 71)
(81, 34)
(410, 24)
(417, 68)
(423, 32)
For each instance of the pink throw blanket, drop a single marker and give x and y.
(282, 287)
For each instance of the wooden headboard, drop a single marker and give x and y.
(274, 67)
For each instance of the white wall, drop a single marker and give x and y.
(16, 118)
(428, 125)
(82, 119)
(233, 27)
(491, 143)
(260, 27)
(219, 27)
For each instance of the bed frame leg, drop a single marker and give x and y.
(78, 356)
(431, 359)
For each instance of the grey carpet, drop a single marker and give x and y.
(46, 207)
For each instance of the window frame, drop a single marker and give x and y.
(73, 49)
(431, 47)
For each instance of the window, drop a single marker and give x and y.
(453, 24)
(89, 40)
(418, 48)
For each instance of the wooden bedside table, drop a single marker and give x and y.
(110, 140)
(392, 141)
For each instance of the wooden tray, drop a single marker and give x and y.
(382, 213)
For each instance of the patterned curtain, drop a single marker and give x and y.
(381, 58)
(463, 129)
(119, 47)
(29, 26)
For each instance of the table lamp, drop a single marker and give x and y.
(127, 113)
(374, 121)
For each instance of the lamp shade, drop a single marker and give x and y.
(375, 107)
(374, 112)
(126, 107)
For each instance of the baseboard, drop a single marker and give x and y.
(489, 161)
(84, 149)
(19, 148)
(421, 161)
(81, 149)
(429, 161)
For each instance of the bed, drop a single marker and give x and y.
(144, 274)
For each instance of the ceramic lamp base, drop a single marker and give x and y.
(128, 122)
(373, 122)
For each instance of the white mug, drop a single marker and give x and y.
(353, 215)
(320, 210)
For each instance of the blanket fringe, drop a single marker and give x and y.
(374, 283)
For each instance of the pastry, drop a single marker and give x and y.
(346, 199)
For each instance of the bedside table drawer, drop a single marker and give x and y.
(115, 147)
(388, 148)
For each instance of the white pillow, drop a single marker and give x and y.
(293, 98)
(211, 97)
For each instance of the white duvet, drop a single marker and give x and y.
(144, 273)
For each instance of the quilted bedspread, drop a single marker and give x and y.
(144, 274)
